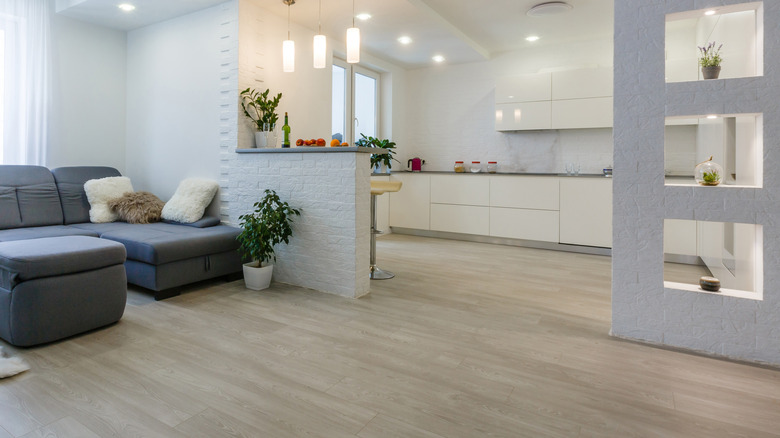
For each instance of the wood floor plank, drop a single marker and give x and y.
(468, 340)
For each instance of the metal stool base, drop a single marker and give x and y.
(375, 273)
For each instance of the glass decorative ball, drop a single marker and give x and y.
(708, 173)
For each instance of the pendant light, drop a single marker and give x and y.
(288, 45)
(353, 40)
(320, 43)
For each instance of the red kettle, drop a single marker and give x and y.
(415, 164)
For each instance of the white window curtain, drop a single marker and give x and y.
(25, 25)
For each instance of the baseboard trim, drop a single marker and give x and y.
(594, 250)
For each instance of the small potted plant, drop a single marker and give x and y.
(708, 173)
(262, 112)
(378, 160)
(268, 225)
(710, 60)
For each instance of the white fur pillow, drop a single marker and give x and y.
(190, 200)
(100, 192)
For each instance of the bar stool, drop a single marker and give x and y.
(378, 188)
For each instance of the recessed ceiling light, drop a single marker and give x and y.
(363, 16)
(438, 58)
(127, 7)
(404, 40)
(549, 8)
(712, 116)
(710, 12)
(532, 38)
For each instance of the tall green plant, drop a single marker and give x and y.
(268, 225)
(259, 108)
(372, 142)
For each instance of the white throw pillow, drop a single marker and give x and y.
(190, 200)
(100, 191)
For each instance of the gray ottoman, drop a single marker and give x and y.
(55, 287)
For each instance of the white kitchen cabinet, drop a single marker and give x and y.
(524, 88)
(680, 237)
(410, 207)
(582, 113)
(460, 189)
(586, 211)
(582, 83)
(523, 116)
(540, 193)
(514, 223)
(463, 219)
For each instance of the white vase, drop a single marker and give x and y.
(257, 278)
(260, 139)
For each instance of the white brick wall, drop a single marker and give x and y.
(642, 308)
(329, 248)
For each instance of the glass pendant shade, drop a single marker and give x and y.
(319, 51)
(353, 45)
(288, 56)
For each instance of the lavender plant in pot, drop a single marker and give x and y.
(269, 225)
(710, 60)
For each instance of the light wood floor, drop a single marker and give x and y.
(469, 340)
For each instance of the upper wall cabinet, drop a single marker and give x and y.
(569, 99)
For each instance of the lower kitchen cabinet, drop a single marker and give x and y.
(586, 211)
(410, 207)
(541, 225)
(464, 219)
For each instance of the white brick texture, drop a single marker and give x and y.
(642, 308)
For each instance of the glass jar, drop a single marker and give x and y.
(459, 167)
(708, 173)
(492, 167)
(476, 167)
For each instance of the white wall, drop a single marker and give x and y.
(450, 114)
(89, 95)
(173, 106)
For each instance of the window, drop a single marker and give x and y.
(355, 102)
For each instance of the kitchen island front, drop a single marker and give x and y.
(329, 248)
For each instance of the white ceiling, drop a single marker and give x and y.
(460, 30)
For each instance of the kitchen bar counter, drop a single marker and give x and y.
(309, 149)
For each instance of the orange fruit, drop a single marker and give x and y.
(345, 144)
(334, 142)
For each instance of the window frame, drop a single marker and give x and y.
(349, 99)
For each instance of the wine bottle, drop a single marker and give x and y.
(286, 130)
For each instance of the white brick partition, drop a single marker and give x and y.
(329, 250)
(642, 308)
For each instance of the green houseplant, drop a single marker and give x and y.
(379, 159)
(268, 225)
(710, 60)
(261, 110)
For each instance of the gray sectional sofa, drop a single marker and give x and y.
(39, 207)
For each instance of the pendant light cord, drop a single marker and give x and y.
(353, 13)
(288, 20)
(319, 19)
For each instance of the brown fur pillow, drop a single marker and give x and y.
(137, 207)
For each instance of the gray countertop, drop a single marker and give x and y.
(310, 149)
(450, 172)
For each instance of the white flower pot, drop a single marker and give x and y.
(260, 139)
(257, 278)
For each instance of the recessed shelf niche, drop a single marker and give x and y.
(731, 252)
(735, 141)
(738, 27)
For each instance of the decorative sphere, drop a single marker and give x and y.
(708, 173)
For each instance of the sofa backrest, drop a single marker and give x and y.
(70, 183)
(28, 197)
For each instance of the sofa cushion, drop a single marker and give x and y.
(42, 232)
(190, 200)
(163, 243)
(47, 257)
(28, 197)
(70, 183)
(100, 192)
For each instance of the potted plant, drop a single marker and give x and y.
(710, 60)
(378, 160)
(262, 112)
(268, 225)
